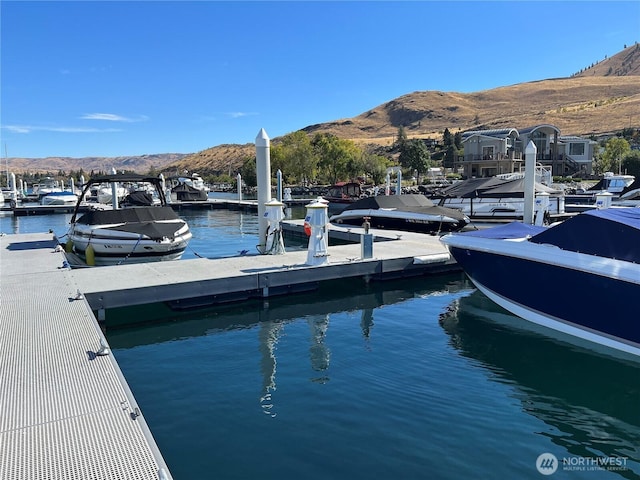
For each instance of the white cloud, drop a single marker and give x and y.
(112, 117)
(240, 114)
(32, 128)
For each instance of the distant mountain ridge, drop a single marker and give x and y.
(599, 100)
(139, 164)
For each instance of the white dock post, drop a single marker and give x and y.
(387, 188)
(530, 154)
(13, 188)
(317, 221)
(279, 183)
(239, 186)
(72, 185)
(399, 184)
(263, 172)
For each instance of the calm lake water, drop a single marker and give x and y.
(419, 379)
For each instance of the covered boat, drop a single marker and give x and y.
(141, 229)
(592, 260)
(493, 197)
(411, 212)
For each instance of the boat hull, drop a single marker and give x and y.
(502, 208)
(112, 248)
(394, 220)
(578, 294)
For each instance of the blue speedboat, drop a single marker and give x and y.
(580, 277)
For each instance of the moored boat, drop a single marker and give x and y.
(138, 230)
(410, 212)
(591, 260)
(65, 198)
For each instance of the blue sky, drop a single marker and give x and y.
(89, 78)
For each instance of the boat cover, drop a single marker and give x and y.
(509, 230)
(139, 198)
(145, 220)
(471, 187)
(187, 193)
(517, 187)
(413, 203)
(492, 187)
(609, 232)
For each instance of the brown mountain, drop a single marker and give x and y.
(140, 164)
(601, 99)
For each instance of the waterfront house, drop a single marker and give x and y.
(493, 152)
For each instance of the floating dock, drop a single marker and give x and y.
(207, 282)
(67, 411)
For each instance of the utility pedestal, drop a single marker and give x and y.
(317, 221)
(274, 213)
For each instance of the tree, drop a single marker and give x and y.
(601, 164)
(631, 163)
(415, 156)
(614, 151)
(248, 172)
(401, 139)
(296, 158)
(339, 158)
(457, 141)
(447, 139)
(375, 166)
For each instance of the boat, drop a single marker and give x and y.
(187, 189)
(620, 188)
(65, 198)
(577, 277)
(495, 197)
(44, 187)
(409, 212)
(344, 192)
(137, 230)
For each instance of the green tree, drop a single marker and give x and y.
(614, 151)
(401, 139)
(457, 141)
(447, 139)
(248, 172)
(449, 157)
(601, 164)
(339, 159)
(415, 156)
(631, 163)
(376, 166)
(296, 158)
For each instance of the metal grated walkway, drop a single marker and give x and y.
(65, 412)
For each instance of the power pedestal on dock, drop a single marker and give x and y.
(317, 221)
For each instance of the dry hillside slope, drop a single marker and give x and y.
(601, 99)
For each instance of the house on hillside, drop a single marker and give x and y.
(493, 152)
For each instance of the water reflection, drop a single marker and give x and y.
(270, 320)
(590, 401)
(269, 333)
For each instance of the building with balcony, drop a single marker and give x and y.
(492, 152)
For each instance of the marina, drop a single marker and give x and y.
(414, 369)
